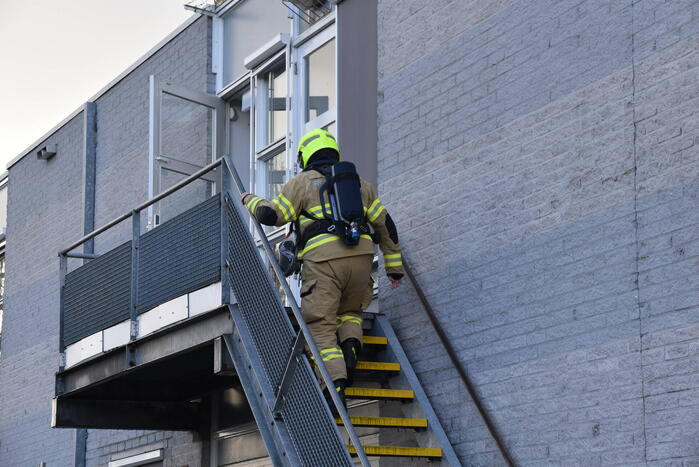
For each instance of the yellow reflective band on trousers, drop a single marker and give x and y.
(351, 319)
(331, 354)
(375, 210)
(393, 260)
(322, 239)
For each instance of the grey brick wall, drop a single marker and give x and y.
(44, 216)
(540, 161)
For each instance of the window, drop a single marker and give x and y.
(276, 105)
(320, 85)
(150, 459)
(275, 174)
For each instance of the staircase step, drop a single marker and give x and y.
(387, 422)
(399, 451)
(383, 394)
(374, 340)
(377, 366)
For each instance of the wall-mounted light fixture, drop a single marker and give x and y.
(47, 152)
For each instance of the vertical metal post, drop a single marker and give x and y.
(225, 193)
(89, 172)
(135, 245)
(62, 271)
(155, 103)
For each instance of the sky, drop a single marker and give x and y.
(55, 55)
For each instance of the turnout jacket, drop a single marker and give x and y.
(299, 200)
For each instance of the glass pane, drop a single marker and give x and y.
(186, 146)
(275, 174)
(276, 105)
(320, 67)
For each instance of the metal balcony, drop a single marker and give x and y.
(140, 325)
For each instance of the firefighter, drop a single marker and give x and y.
(336, 278)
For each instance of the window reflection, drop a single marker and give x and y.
(321, 81)
(275, 173)
(276, 105)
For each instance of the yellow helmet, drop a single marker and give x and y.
(312, 142)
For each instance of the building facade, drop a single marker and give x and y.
(539, 159)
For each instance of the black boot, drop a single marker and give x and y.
(350, 350)
(340, 385)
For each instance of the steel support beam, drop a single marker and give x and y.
(133, 415)
(89, 172)
(159, 346)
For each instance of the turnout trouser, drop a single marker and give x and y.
(333, 295)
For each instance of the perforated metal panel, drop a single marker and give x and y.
(311, 430)
(180, 255)
(98, 294)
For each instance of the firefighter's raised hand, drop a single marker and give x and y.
(244, 196)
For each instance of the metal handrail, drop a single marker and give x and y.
(457, 364)
(296, 310)
(196, 175)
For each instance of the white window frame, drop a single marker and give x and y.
(216, 105)
(301, 53)
(137, 459)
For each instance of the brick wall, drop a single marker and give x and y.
(555, 224)
(44, 216)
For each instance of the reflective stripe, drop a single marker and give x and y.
(317, 241)
(304, 220)
(392, 260)
(318, 210)
(322, 239)
(289, 205)
(331, 353)
(282, 209)
(253, 204)
(352, 319)
(375, 216)
(308, 140)
(374, 210)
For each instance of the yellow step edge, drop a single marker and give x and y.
(373, 393)
(394, 422)
(398, 451)
(377, 366)
(374, 340)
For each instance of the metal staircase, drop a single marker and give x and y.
(266, 348)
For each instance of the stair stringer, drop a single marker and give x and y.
(408, 379)
(267, 337)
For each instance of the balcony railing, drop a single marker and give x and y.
(113, 298)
